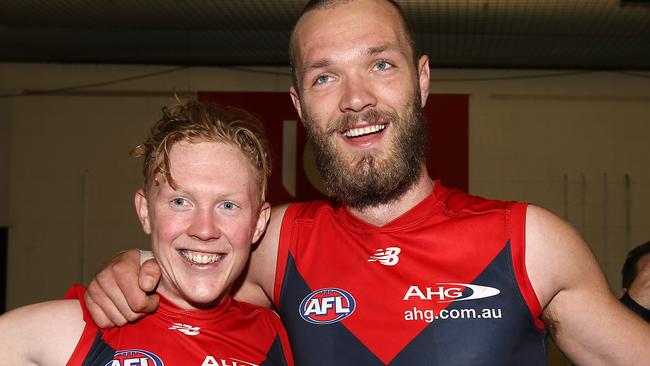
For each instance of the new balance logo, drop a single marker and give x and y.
(387, 257)
(186, 329)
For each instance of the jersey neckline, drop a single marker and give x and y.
(169, 308)
(413, 217)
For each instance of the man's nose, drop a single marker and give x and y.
(357, 95)
(205, 225)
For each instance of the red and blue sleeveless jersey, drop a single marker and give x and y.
(443, 284)
(233, 334)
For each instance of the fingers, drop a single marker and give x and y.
(93, 297)
(114, 297)
(149, 275)
(132, 300)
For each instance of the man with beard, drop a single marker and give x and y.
(395, 268)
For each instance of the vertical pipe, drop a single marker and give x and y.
(566, 197)
(605, 254)
(628, 211)
(583, 202)
(84, 225)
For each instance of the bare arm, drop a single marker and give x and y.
(41, 334)
(259, 279)
(587, 322)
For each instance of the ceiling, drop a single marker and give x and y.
(550, 34)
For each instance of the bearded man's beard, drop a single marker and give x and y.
(369, 180)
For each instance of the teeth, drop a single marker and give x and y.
(199, 258)
(364, 130)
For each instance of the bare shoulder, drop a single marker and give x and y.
(40, 334)
(557, 257)
(271, 237)
(257, 287)
(587, 322)
(264, 256)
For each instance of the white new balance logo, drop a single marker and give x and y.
(186, 329)
(387, 257)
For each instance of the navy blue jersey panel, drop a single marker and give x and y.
(276, 355)
(100, 353)
(314, 344)
(496, 330)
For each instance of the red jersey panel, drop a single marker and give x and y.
(232, 334)
(443, 284)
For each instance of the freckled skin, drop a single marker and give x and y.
(214, 210)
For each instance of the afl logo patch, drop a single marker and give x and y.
(135, 357)
(327, 306)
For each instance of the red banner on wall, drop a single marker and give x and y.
(294, 176)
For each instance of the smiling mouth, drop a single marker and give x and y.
(198, 258)
(363, 131)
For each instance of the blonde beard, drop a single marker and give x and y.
(367, 181)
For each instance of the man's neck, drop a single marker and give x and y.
(383, 214)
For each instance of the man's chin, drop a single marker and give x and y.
(204, 300)
(372, 186)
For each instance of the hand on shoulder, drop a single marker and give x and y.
(122, 291)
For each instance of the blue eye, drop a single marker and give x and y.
(322, 79)
(229, 205)
(383, 65)
(179, 201)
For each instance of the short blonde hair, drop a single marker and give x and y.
(195, 121)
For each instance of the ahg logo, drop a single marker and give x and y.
(212, 361)
(387, 257)
(448, 292)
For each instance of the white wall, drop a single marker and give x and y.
(584, 159)
(71, 182)
(577, 143)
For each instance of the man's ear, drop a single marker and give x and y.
(295, 98)
(142, 210)
(262, 221)
(423, 78)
